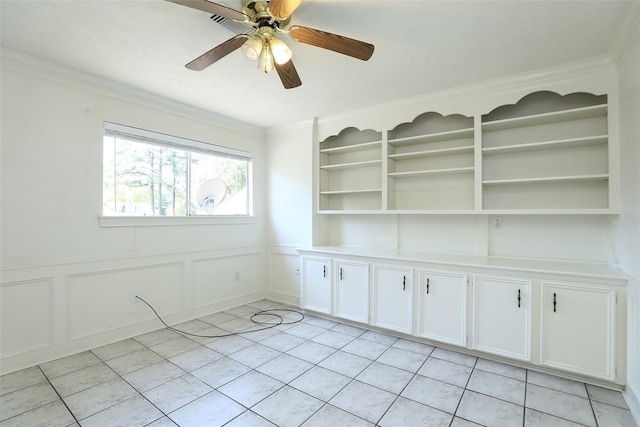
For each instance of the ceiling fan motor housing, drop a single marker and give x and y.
(259, 15)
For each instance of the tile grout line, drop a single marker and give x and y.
(406, 385)
(317, 365)
(465, 389)
(314, 365)
(524, 403)
(255, 370)
(591, 405)
(59, 397)
(131, 385)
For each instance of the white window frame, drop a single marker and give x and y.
(189, 145)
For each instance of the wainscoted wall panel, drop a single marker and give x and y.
(284, 275)
(51, 311)
(225, 278)
(92, 311)
(28, 304)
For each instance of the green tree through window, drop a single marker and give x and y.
(143, 176)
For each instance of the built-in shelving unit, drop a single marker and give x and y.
(552, 160)
(546, 153)
(351, 171)
(430, 153)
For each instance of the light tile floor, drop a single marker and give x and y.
(313, 373)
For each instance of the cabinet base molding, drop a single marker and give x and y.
(470, 352)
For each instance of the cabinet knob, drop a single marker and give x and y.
(554, 302)
(518, 298)
(404, 283)
(427, 285)
(324, 271)
(340, 273)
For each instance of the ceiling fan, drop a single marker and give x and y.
(267, 20)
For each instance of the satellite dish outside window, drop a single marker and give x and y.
(211, 193)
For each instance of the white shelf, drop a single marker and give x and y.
(545, 145)
(352, 148)
(432, 172)
(351, 165)
(432, 153)
(597, 177)
(484, 211)
(549, 211)
(351, 211)
(338, 192)
(539, 119)
(440, 136)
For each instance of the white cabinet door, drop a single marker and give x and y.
(501, 316)
(352, 290)
(392, 298)
(316, 284)
(443, 306)
(577, 329)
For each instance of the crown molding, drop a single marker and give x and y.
(36, 67)
(628, 33)
(305, 125)
(563, 78)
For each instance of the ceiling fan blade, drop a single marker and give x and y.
(217, 53)
(283, 8)
(288, 75)
(334, 42)
(214, 8)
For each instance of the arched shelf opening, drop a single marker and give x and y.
(547, 151)
(351, 170)
(545, 103)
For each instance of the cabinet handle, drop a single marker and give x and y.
(518, 298)
(427, 285)
(404, 283)
(324, 271)
(340, 273)
(554, 302)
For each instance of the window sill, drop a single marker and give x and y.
(156, 221)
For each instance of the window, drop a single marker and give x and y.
(151, 174)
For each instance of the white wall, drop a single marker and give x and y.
(627, 242)
(66, 281)
(290, 206)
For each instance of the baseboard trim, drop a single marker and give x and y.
(633, 402)
(284, 298)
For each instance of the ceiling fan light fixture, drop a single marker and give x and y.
(265, 61)
(252, 48)
(281, 52)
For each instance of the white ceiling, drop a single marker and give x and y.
(420, 47)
